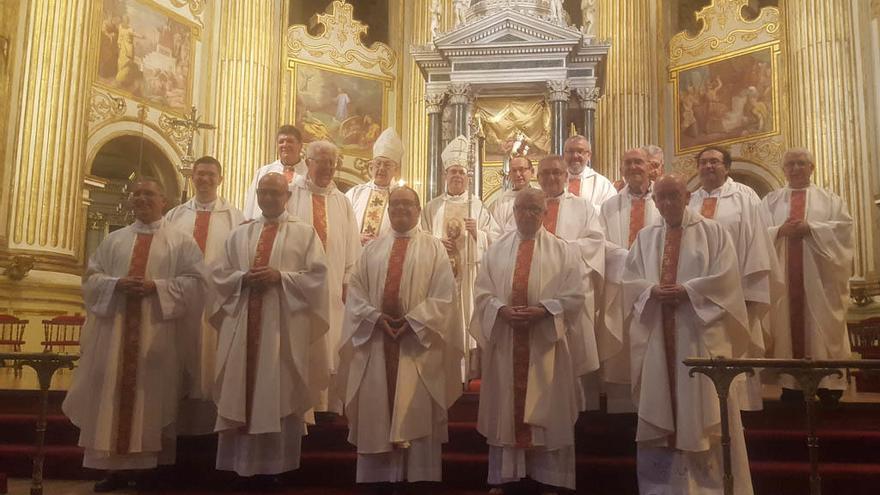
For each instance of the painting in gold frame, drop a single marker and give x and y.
(146, 53)
(727, 99)
(347, 108)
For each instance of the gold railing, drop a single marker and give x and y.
(808, 374)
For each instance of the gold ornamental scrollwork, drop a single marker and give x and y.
(724, 30)
(177, 133)
(767, 152)
(104, 105)
(685, 166)
(340, 42)
(196, 7)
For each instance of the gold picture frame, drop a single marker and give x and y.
(346, 107)
(727, 99)
(155, 61)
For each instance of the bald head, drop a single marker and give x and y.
(272, 194)
(528, 210)
(671, 197)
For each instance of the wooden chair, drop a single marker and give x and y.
(62, 332)
(12, 338)
(864, 338)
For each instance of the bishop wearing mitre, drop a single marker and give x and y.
(316, 200)
(288, 143)
(401, 350)
(271, 311)
(461, 222)
(209, 219)
(136, 290)
(370, 200)
(681, 288)
(529, 304)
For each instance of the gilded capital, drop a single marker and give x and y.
(460, 94)
(434, 102)
(559, 90)
(588, 97)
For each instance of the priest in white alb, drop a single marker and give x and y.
(464, 225)
(811, 229)
(529, 304)
(271, 310)
(583, 180)
(682, 290)
(738, 208)
(209, 219)
(622, 218)
(573, 219)
(520, 172)
(370, 200)
(125, 391)
(288, 143)
(316, 200)
(401, 351)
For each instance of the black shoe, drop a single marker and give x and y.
(113, 482)
(830, 399)
(792, 395)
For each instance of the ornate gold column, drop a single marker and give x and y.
(247, 95)
(627, 114)
(51, 105)
(826, 101)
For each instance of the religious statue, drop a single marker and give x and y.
(435, 18)
(461, 7)
(588, 11)
(557, 12)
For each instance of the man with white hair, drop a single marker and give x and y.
(370, 200)
(466, 228)
(812, 232)
(583, 181)
(316, 200)
(520, 173)
(288, 142)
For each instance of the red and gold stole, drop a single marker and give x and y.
(375, 212)
(551, 216)
(319, 217)
(574, 186)
(289, 173)
(636, 218)
(669, 276)
(255, 314)
(391, 306)
(519, 296)
(797, 298)
(200, 229)
(707, 209)
(131, 345)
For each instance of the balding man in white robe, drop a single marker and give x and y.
(402, 351)
(738, 208)
(622, 218)
(529, 307)
(370, 200)
(209, 219)
(682, 291)
(583, 181)
(812, 234)
(466, 228)
(520, 172)
(271, 310)
(317, 201)
(136, 290)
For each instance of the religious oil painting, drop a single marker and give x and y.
(345, 108)
(727, 99)
(146, 53)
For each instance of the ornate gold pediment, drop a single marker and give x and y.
(725, 30)
(339, 43)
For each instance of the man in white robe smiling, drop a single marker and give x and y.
(402, 351)
(288, 142)
(682, 288)
(125, 392)
(583, 180)
(520, 173)
(271, 310)
(528, 306)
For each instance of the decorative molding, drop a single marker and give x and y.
(767, 152)
(103, 105)
(434, 102)
(559, 90)
(196, 7)
(340, 42)
(460, 94)
(176, 133)
(589, 97)
(685, 166)
(724, 30)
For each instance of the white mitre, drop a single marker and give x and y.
(388, 145)
(456, 153)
